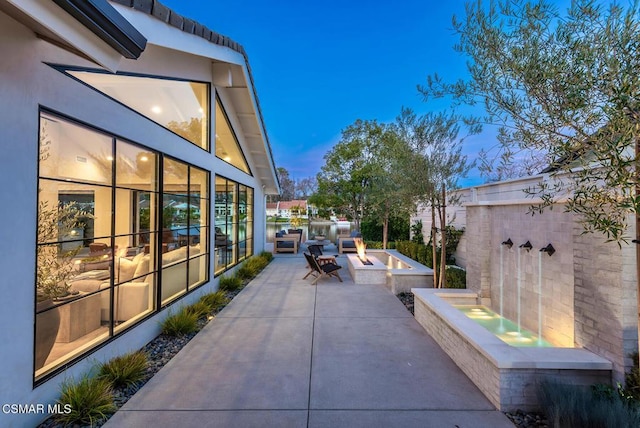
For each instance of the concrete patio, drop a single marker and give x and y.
(287, 354)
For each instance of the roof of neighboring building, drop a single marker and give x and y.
(287, 205)
(272, 205)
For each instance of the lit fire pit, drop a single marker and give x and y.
(360, 249)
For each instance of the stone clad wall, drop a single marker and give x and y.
(478, 258)
(589, 287)
(605, 299)
(487, 228)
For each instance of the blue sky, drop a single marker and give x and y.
(319, 66)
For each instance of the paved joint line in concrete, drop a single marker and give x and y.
(313, 326)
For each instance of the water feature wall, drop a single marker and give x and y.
(589, 296)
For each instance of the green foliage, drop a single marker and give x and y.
(181, 323)
(323, 213)
(357, 177)
(215, 300)
(453, 239)
(456, 277)
(575, 406)
(416, 232)
(124, 370)
(246, 271)
(632, 379)
(266, 255)
(89, 400)
(199, 309)
(191, 130)
(567, 89)
(373, 245)
(54, 265)
(257, 263)
(371, 229)
(229, 283)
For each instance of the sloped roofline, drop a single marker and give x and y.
(161, 12)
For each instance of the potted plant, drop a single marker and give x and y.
(54, 268)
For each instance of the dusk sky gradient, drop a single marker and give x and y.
(319, 66)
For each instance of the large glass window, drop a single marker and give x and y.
(233, 223)
(178, 105)
(227, 146)
(113, 245)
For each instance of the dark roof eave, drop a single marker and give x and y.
(105, 22)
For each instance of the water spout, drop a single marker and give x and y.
(508, 243)
(527, 246)
(548, 249)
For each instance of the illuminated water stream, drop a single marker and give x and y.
(504, 329)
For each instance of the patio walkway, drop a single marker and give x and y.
(287, 354)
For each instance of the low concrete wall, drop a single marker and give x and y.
(403, 273)
(508, 376)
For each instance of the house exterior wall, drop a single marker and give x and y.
(27, 84)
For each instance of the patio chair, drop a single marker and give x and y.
(284, 243)
(347, 244)
(316, 251)
(318, 270)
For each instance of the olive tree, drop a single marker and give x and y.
(434, 163)
(566, 85)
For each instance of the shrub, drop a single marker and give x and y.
(229, 283)
(374, 245)
(124, 370)
(266, 255)
(416, 232)
(180, 323)
(456, 277)
(257, 263)
(87, 401)
(215, 300)
(632, 379)
(199, 309)
(579, 406)
(246, 271)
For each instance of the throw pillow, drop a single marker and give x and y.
(125, 269)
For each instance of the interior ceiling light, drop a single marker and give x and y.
(143, 158)
(109, 158)
(156, 109)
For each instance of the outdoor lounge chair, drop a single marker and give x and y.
(318, 270)
(348, 244)
(286, 243)
(316, 251)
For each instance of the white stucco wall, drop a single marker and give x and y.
(26, 84)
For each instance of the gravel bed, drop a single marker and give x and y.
(519, 418)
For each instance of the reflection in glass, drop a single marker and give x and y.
(72, 152)
(135, 167)
(227, 146)
(179, 106)
(97, 265)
